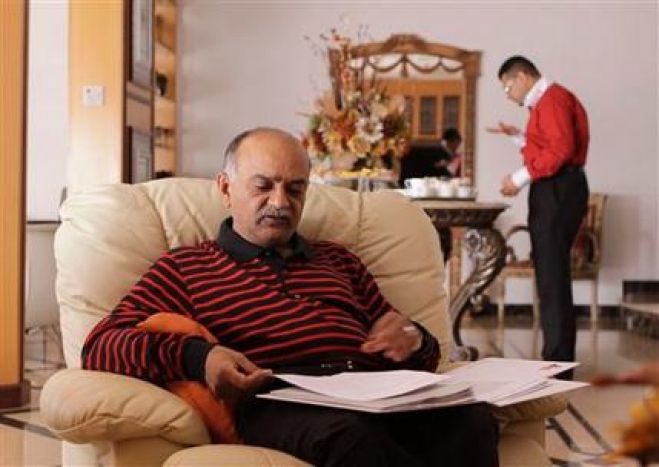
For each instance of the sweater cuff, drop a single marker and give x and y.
(428, 342)
(519, 140)
(521, 177)
(195, 351)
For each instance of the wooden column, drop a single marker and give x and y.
(14, 390)
(96, 57)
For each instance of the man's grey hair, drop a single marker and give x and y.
(229, 165)
(230, 162)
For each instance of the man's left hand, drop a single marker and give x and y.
(508, 188)
(393, 335)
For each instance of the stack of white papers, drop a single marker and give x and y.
(497, 381)
(506, 381)
(366, 386)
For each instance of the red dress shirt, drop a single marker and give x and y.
(556, 134)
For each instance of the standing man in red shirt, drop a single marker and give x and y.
(554, 148)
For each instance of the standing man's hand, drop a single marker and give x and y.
(504, 129)
(230, 375)
(508, 188)
(395, 336)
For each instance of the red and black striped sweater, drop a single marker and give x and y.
(313, 308)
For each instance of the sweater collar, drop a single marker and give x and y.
(535, 93)
(242, 250)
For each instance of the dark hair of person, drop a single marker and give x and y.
(517, 63)
(451, 134)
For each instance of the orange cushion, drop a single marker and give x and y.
(216, 413)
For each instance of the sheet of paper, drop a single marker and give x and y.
(553, 386)
(437, 395)
(489, 391)
(509, 369)
(365, 386)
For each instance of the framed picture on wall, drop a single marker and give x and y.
(141, 42)
(141, 156)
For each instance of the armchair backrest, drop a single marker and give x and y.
(111, 234)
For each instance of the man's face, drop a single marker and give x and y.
(516, 86)
(266, 194)
(453, 145)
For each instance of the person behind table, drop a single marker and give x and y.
(451, 141)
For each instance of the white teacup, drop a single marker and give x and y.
(465, 191)
(419, 187)
(445, 189)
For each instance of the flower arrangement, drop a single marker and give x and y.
(363, 128)
(639, 439)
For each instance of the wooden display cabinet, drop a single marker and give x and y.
(164, 110)
(150, 120)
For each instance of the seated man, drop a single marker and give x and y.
(277, 302)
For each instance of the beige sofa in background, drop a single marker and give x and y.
(111, 234)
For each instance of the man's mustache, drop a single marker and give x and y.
(277, 213)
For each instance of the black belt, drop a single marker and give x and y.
(566, 169)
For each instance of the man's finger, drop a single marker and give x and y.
(246, 364)
(236, 378)
(374, 346)
(382, 322)
(255, 380)
(394, 355)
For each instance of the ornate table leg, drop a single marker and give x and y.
(488, 248)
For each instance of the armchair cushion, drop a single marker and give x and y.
(228, 455)
(84, 406)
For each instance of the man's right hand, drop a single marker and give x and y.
(505, 129)
(230, 375)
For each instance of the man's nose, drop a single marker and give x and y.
(279, 198)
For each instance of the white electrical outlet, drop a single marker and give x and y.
(93, 96)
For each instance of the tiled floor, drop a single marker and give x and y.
(577, 437)
(24, 439)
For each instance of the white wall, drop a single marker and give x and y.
(48, 109)
(247, 64)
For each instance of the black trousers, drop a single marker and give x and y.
(456, 436)
(556, 208)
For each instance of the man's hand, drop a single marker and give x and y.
(508, 188)
(393, 335)
(229, 374)
(504, 129)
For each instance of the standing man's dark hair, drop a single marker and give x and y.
(554, 148)
(517, 63)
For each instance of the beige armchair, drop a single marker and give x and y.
(109, 237)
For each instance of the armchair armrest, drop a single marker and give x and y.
(535, 409)
(83, 406)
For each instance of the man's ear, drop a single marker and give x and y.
(224, 189)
